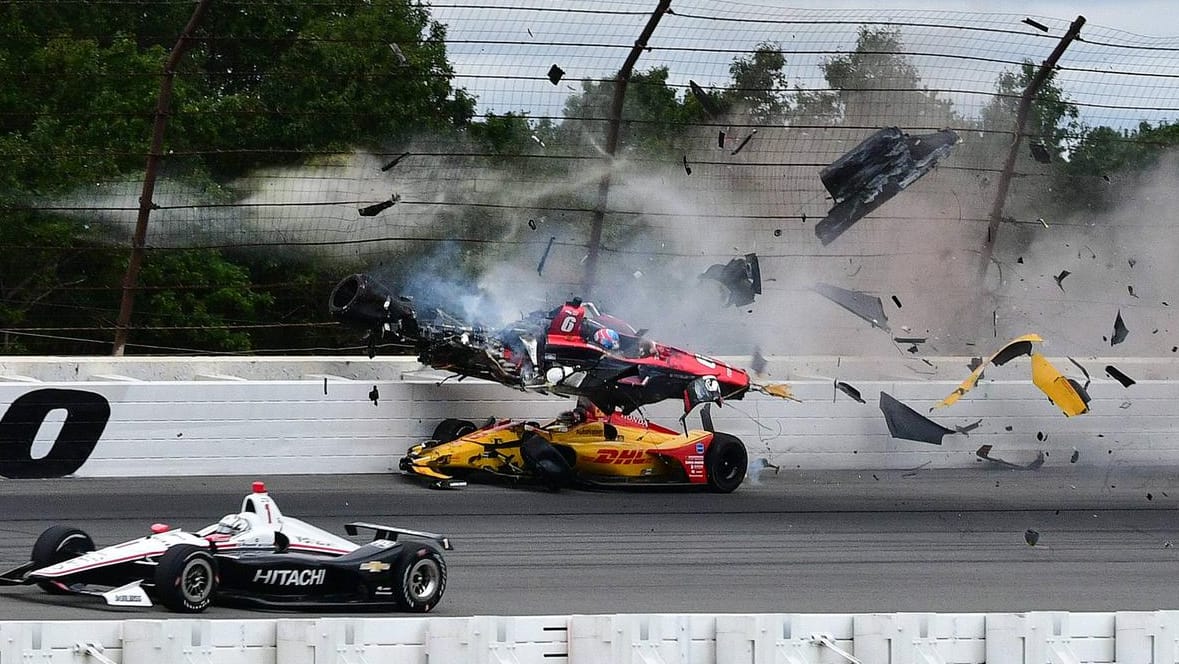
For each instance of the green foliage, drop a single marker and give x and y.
(759, 87)
(1052, 118)
(653, 116)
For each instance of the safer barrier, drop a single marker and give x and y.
(199, 416)
(1124, 637)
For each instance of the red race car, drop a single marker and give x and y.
(572, 350)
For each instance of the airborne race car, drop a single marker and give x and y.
(581, 447)
(256, 557)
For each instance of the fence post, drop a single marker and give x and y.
(163, 107)
(1021, 116)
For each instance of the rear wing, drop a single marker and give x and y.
(391, 533)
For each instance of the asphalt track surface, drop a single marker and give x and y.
(835, 541)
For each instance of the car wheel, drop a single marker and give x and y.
(58, 544)
(422, 574)
(725, 462)
(451, 428)
(186, 578)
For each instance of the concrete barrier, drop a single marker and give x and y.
(1124, 637)
(123, 417)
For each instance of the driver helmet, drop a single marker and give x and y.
(235, 524)
(606, 338)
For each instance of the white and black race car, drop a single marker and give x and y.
(255, 557)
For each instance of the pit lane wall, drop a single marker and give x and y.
(905, 638)
(150, 417)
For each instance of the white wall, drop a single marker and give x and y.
(212, 418)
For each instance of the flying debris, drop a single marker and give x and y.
(402, 61)
(777, 232)
(1040, 153)
(1011, 350)
(1060, 279)
(966, 429)
(758, 362)
(1130, 289)
(984, 452)
(705, 99)
(897, 301)
(849, 391)
(396, 160)
(1120, 330)
(555, 74)
(741, 276)
(687, 168)
(1031, 537)
(545, 256)
(904, 422)
(1084, 372)
(1067, 394)
(532, 224)
(1116, 374)
(1076, 455)
(720, 139)
(863, 305)
(876, 170)
(377, 208)
(1036, 24)
(744, 141)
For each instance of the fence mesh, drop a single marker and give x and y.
(464, 164)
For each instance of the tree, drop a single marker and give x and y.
(758, 87)
(1052, 118)
(653, 115)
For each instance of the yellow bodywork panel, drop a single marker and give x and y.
(1060, 390)
(972, 380)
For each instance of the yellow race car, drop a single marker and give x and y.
(584, 446)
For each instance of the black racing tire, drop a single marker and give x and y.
(725, 462)
(186, 578)
(452, 428)
(421, 573)
(58, 544)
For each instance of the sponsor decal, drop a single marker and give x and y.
(620, 457)
(382, 544)
(699, 448)
(694, 465)
(290, 577)
(375, 566)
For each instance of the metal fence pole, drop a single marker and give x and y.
(595, 239)
(163, 107)
(1021, 116)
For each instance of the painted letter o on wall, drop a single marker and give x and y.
(87, 414)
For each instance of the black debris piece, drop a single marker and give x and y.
(1060, 278)
(705, 99)
(1008, 428)
(1083, 372)
(909, 340)
(863, 305)
(1040, 436)
(741, 276)
(1019, 260)
(1106, 178)
(1131, 291)
(874, 171)
(927, 362)
(758, 362)
(744, 141)
(1116, 374)
(912, 349)
(687, 168)
(975, 362)
(905, 423)
(984, 452)
(1092, 254)
(1011, 351)
(804, 217)
(849, 391)
(532, 224)
(396, 160)
(373, 395)
(529, 31)
(545, 256)
(966, 429)
(377, 208)
(1036, 24)
(777, 232)
(1120, 330)
(720, 139)
(1132, 261)
(555, 74)
(897, 301)
(1174, 348)
(1040, 153)
(1076, 455)
(1031, 537)
(1149, 496)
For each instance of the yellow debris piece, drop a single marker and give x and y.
(972, 380)
(781, 390)
(1060, 390)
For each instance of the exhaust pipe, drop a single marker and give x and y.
(361, 301)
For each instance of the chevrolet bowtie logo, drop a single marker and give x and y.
(374, 566)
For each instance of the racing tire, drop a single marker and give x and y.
(186, 578)
(451, 428)
(58, 544)
(422, 577)
(725, 462)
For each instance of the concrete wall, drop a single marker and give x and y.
(348, 416)
(871, 638)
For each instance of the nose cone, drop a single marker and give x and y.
(259, 487)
